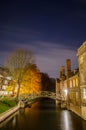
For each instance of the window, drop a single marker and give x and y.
(84, 93)
(77, 95)
(70, 83)
(77, 82)
(82, 76)
(73, 82)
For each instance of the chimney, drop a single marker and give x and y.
(62, 73)
(63, 70)
(68, 68)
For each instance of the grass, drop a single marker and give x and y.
(6, 104)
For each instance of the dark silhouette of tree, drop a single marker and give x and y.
(47, 83)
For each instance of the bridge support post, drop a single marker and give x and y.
(63, 104)
(21, 104)
(58, 103)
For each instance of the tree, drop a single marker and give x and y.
(45, 81)
(48, 84)
(36, 79)
(18, 62)
(31, 82)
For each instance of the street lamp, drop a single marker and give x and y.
(66, 92)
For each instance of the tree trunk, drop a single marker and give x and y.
(18, 90)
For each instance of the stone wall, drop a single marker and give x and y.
(75, 109)
(82, 70)
(8, 113)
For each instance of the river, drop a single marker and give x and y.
(43, 115)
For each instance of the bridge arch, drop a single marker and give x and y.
(42, 94)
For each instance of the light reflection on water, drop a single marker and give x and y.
(66, 123)
(43, 115)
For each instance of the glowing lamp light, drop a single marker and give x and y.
(9, 78)
(66, 91)
(84, 93)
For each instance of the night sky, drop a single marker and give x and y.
(53, 30)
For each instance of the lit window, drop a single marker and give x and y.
(5, 81)
(74, 82)
(70, 83)
(84, 93)
(82, 77)
(77, 95)
(4, 87)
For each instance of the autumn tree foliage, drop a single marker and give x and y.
(31, 82)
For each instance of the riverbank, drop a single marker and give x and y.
(7, 113)
(8, 106)
(7, 103)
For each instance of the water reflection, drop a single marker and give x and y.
(43, 115)
(14, 121)
(70, 121)
(9, 119)
(66, 123)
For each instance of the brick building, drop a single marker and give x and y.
(71, 85)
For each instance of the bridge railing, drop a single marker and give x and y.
(41, 94)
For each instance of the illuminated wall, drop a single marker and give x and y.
(82, 70)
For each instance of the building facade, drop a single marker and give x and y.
(81, 54)
(72, 84)
(4, 80)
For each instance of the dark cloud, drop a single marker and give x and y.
(53, 30)
(49, 56)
